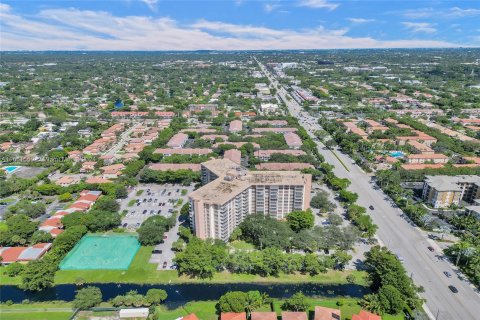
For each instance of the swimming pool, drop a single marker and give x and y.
(396, 154)
(10, 169)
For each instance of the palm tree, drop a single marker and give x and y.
(461, 247)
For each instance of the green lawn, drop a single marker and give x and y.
(241, 245)
(37, 311)
(141, 271)
(205, 310)
(44, 315)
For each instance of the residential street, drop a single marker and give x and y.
(397, 234)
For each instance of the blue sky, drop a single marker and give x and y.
(236, 24)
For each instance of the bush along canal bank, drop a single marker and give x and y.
(183, 293)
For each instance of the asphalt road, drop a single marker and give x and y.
(409, 242)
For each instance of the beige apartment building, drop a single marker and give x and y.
(231, 192)
(443, 191)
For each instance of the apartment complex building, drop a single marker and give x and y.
(443, 191)
(230, 193)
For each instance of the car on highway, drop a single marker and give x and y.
(453, 289)
(431, 248)
(447, 274)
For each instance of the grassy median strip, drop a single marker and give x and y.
(338, 158)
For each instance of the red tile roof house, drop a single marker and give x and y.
(273, 123)
(292, 315)
(365, 315)
(199, 130)
(233, 316)
(75, 155)
(134, 147)
(112, 171)
(165, 114)
(414, 166)
(235, 126)
(265, 155)
(212, 137)
(177, 141)
(175, 166)
(373, 125)
(190, 151)
(263, 316)
(422, 158)
(420, 147)
(191, 316)
(97, 180)
(234, 155)
(352, 127)
(293, 140)
(323, 313)
(108, 159)
(23, 254)
(67, 180)
(275, 130)
(88, 166)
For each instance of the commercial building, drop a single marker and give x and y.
(230, 193)
(443, 191)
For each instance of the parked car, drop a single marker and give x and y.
(371, 207)
(447, 274)
(125, 225)
(453, 289)
(144, 211)
(431, 249)
(165, 237)
(157, 251)
(164, 265)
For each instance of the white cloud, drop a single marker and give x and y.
(451, 13)
(420, 27)
(360, 20)
(460, 13)
(419, 13)
(152, 4)
(269, 7)
(72, 29)
(318, 4)
(4, 7)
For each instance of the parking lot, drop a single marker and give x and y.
(155, 199)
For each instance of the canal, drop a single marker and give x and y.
(182, 293)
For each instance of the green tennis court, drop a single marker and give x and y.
(102, 252)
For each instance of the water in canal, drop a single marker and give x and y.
(182, 293)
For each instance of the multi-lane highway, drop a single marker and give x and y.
(407, 241)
